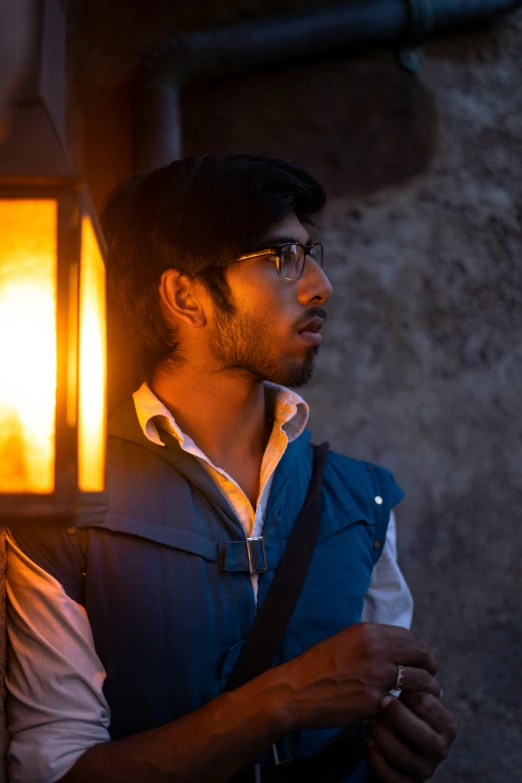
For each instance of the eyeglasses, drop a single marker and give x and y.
(290, 257)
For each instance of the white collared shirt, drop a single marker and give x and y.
(290, 415)
(56, 705)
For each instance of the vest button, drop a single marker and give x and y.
(71, 530)
(369, 467)
(377, 544)
(378, 500)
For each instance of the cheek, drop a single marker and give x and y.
(260, 301)
(266, 302)
(258, 285)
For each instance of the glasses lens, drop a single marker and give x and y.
(316, 254)
(292, 261)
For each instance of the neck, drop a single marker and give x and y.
(224, 415)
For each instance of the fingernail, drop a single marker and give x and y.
(384, 702)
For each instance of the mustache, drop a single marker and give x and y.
(311, 312)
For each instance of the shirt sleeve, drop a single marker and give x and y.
(389, 599)
(55, 703)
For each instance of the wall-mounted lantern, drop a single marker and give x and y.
(52, 310)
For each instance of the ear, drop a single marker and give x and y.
(182, 298)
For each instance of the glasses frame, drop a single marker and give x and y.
(275, 251)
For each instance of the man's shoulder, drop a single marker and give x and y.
(52, 548)
(372, 480)
(129, 451)
(352, 465)
(123, 422)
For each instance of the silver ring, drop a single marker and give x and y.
(400, 678)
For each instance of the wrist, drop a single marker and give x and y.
(287, 697)
(270, 700)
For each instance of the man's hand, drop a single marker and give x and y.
(338, 682)
(410, 738)
(343, 679)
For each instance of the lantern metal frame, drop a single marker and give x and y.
(67, 504)
(35, 164)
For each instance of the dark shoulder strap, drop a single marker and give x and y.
(268, 629)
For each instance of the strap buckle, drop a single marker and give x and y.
(252, 568)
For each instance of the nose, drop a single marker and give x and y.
(314, 286)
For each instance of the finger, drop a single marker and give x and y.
(399, 645)
(410, 651)
(418, 655)
(383, 770)
(414, 679)
(433, 712)
(419, 735)
(399, 754)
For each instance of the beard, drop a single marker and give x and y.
(241, 345)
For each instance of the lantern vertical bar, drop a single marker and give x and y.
(92, 390)
(67, 347)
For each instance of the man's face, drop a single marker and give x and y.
(273, 334)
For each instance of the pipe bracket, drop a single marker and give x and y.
(411, 58)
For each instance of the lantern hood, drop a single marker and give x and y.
(35, 145)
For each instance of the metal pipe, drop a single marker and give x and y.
(211, 54)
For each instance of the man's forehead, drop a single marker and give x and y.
(288, 230)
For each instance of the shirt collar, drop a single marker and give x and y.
(290, 413)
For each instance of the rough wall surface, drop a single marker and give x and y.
(422, 364)
(424, 358)
(426, 361)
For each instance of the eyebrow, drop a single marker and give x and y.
(281, 240)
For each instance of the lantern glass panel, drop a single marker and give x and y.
(28, 291)
(92, 365)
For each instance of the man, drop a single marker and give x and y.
(123, 636)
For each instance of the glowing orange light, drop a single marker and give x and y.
(28, 290)
(92, 382)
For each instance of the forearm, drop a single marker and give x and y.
(206, 746)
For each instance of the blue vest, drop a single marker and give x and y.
(167, 587)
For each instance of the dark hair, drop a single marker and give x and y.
(195, 215)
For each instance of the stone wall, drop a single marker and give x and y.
(422, 364)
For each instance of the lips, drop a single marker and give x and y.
(314, 325)
(309, 333)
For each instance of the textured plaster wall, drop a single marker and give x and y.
(422, 364)
(425, 362)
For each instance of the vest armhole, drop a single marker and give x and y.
(50, 548)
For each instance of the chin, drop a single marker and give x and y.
(295, 373)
